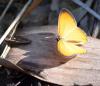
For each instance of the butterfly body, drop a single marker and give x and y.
(71, 37)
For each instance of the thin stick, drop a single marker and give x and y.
(11, 27)
(86, 7)
(6, 9)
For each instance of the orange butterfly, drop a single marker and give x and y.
(71, 36)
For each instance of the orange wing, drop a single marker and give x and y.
(70, 35)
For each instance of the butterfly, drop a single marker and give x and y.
(71, 37)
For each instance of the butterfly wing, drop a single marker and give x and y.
(70, 35)
(77, 35)
(67, 28)
(66, 22)
(69, 49)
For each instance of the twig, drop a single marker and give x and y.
(86, 7)
(6, 9)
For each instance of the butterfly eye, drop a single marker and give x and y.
(57, 38)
